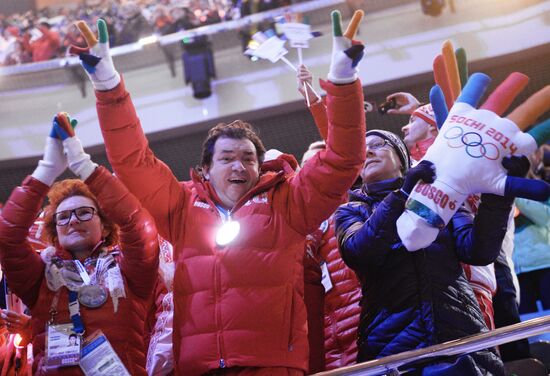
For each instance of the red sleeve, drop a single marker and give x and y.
(314, 193)
(23, 266)
(148, 178)
(138, 233)
(319, 112)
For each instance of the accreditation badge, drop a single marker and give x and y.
(99, 358)
(62, 346)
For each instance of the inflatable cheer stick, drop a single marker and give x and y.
(468, 152)
(450, 71)
(462, 64)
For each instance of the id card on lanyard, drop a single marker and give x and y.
(62, 346)
(63, 341)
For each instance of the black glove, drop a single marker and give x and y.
(424, 171)
(516, 165)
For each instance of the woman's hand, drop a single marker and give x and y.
(17, 323)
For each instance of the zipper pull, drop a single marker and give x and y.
(222, 363)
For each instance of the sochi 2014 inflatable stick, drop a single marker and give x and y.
(469, 150)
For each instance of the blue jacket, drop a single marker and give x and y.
(532, 236)
(417, 299)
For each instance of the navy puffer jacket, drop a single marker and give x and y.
(417, 299)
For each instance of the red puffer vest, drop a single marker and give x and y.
(239, 304)
(342, 309)
(341, 302)
(24, 269)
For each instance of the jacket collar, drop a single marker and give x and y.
(376, 189)
(418, 151)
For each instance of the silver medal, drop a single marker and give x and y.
(92, 296)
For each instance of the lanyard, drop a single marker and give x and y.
(226, 214)
(74, 311)
(74, 305)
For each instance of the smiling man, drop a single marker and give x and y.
(238, 227)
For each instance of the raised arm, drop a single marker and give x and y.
(316, 104)
(23, 267)
(148, 178)
(138, 234)
(479, 240)
(320, 185)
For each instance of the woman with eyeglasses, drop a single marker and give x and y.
(416, 299)
(100, 270)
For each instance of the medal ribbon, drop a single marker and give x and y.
(74, 305)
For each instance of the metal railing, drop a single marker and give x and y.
(465, 345)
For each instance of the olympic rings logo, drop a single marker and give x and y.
(475, 148)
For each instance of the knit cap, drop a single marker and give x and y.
(398, 144)
(425, 113)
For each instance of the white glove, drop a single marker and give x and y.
(80, 163)
(52, 164)
(345, 54)
(103, 73)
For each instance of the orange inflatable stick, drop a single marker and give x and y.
(530, 110)
(354, 24)
(503, 96)
(441, 79)
(448, 53)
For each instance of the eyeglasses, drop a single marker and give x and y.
(377, 144)
(83, 214)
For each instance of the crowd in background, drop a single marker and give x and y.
(46, 34)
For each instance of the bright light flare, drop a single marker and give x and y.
(227, 232)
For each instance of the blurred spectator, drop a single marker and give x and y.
(42, 42)
(10, 46)
(127, 22)
(73, 37)
(135, 25)
(162, 21)
(532, 244)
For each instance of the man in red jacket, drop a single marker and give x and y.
(238, 227)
